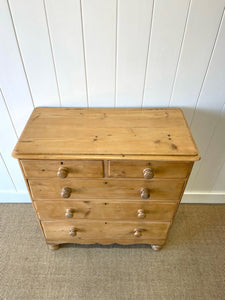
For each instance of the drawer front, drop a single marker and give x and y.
(111, 210)
(73, 231)
(102, 189)
(62, 169)
(140, 169)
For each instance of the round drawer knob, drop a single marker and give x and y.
(62, 172)
(137, 232)
(141, 214)
(66, 192)
(73, 231)
(145, 194)
(69, 212)
(148, 173)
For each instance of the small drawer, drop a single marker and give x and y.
(56, 189)
(91, 230)
(147, 169)
(110, 210)
(62, 168)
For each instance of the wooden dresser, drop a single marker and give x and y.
(106, 175)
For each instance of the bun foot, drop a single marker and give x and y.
(156, 247)
(53, 247)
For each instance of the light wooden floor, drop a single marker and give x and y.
(190, 266)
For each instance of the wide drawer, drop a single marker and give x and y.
(139, 169)
(106, 189)
(114, 210)
(73, 231)
(62, 168)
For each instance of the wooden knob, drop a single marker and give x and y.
(137, 232)
(69, 212)
(66, 192)
(141, 214)
(148, 173)
(73, 231)
(62, 172)
(145, 194)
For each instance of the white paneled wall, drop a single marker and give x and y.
(115, 53)
(66, 36)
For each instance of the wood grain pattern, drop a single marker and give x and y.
(58, 231)
(132, 169)
(122, 157)
(110, 210)
(126, 209)
(106, 188)
(165, 133)
(49, 168)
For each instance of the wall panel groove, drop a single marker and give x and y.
(208, 65)
(116, 53)
(32, 34)
(6, 182)
(13, 80)
(134, 20)
(10, 117)
(168, 29)
(199, 39)
(52, 54)
(180, 52)
(83, 44)
(210, 105)
(99, 36)
(8, 141)
(21, 58)
(65, 31)
(148, 47)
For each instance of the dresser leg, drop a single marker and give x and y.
(156, 247)
(53, 247)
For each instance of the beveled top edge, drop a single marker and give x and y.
(108, 157)
(163, 157)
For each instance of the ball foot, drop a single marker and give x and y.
(53, 247)
(156, 247)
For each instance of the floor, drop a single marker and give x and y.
(190, 266)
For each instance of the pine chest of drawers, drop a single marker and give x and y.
(106, 175)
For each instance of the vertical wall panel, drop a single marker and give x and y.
(214, 157)
(202, 27)
(219, 180)
(99, 21)
(134, 22)
(210, 104)
(168, 26)
(12, 77)
(32, 32)
(64, 19)
(6, 183)
(8, 141)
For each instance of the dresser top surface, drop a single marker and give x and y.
(67, 133)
